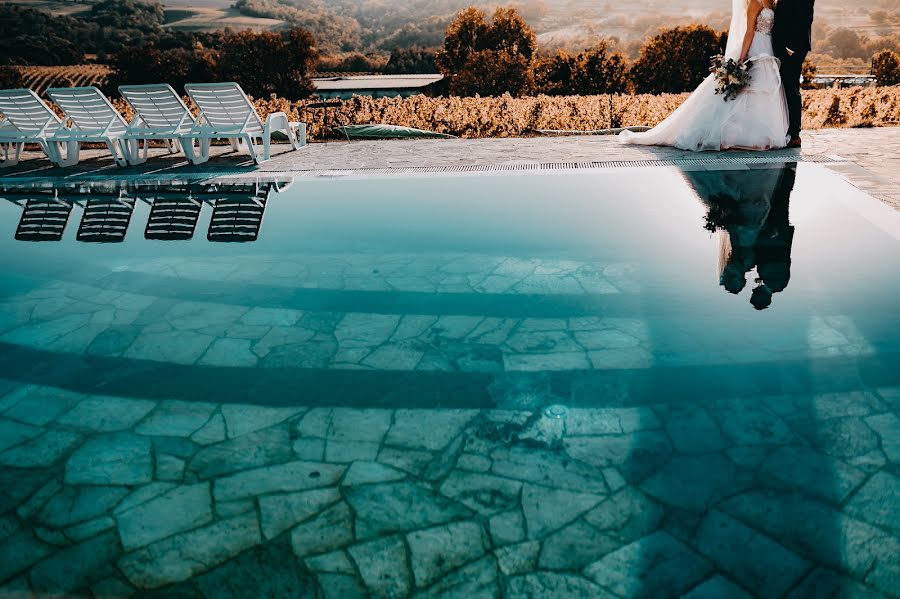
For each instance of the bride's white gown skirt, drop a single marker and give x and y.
(756, 120)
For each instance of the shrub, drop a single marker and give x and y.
(505, 116)
(676, 60)
(808, 71)
(886, 68)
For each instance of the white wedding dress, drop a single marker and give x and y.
(756, 120)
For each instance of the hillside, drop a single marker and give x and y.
(381, 26)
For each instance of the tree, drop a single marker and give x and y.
(464, 37)
(270, 62)
(676, 60)
(847, 43)
(493, 73)
(886, 68)
(488, 58)
(593, 71)
(128, 14)
(150, 64)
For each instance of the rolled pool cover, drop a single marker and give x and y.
(380, 131)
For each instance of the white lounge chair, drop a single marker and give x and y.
(93, 119)
(27, 119)
(227, 113)
(159, 113)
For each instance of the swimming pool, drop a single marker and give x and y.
(454, 292)
(639, 382)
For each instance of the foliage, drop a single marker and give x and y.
(808, 71)
(32, 37)
(505, 116)
(338, 33)
(11, 78)
(263, 63)
(676, 60)
(150, 64)
(596, 70)
(122, 15)
(464, 37)
(488, 58)
(352, 63)
(493, 73)
(269, 62)
(845, 46)
(886, 68)
(411, 61)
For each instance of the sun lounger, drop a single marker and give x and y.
(27, 119)
(92, 118)
(159, 113)
(227, 113)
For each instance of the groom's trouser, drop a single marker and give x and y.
(791, 70)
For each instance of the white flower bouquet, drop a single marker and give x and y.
(732, 76)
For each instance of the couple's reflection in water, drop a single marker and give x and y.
(749, 211)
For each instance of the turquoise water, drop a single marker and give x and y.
(619, 287)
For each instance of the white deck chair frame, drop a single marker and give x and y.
(27, 119)
(227, 113)
(93, 119)
(159, 113)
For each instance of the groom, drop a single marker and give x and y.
(792, 39)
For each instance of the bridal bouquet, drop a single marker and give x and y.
(732, 76)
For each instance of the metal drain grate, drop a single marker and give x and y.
(724, 161)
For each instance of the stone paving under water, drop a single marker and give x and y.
(790, 496)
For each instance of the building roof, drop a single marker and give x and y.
(375, 82)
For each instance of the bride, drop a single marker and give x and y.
(756, 120)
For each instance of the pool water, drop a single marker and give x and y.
(503, 291)
(630, 383)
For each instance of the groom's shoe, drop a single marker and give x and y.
(795, 142)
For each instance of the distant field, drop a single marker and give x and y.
(208, 18)
(197, 3)
(54, 7)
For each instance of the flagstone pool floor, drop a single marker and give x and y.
(788, 496)
(776, 496)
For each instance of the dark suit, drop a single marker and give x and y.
(793, 30)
